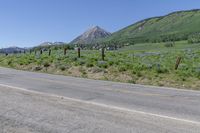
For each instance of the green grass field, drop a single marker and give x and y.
(149, 64)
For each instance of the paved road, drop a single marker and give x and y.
(92, 106)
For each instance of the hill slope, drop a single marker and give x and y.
(91, 36)
(174, 26)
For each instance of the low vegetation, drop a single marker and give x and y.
(147, 63)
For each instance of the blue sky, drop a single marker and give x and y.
(27, 23)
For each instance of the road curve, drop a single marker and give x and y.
(92, 105)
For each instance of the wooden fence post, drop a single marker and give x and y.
(79, 52)
(49, 52)
(178, 61)
(103, 53)
(65, 51)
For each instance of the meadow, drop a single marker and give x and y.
(146, 63)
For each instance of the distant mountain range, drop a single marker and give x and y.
(15, 49)
(91, 36)
(12, 50)
(52, 43)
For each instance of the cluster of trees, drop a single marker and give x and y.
(164, 38)
(195, 38)
(152, 39)
(53, 47)
(110, 45)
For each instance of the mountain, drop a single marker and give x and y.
(12, 50)
(45, 44)
(51, 43)
(174, 26)
(91, 36)
(59, 43)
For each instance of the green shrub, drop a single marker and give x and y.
(169, 44)
(102, 64)
(10, 62)
(62, 68)
(89, 64)
(37, 68)
(81, 62)
(160, 68)
(110, 63)
(74, 59)
(46, 64)
(122, 68)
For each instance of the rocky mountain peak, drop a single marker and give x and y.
(91, 35)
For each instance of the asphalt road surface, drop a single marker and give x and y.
(44, 103)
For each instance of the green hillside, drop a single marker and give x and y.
(174, 26)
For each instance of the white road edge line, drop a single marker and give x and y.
(104, 105)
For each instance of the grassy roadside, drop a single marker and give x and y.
(148, 64)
